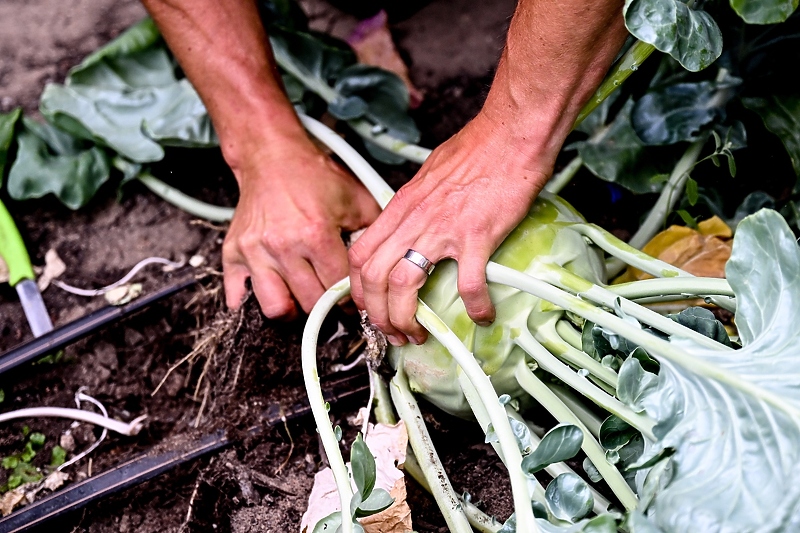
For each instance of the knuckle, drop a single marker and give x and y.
(471, 287)
(247, 244)
(358, 254)
(276, 242)
(401, 277)
(371, 275)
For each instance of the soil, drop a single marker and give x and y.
(262, 482)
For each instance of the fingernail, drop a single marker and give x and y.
(484, 323)
(414, 340)
(394, 341)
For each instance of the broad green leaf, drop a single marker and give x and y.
(635, 384)
(591, 471)
(568, 497)
(112, 106)
(678, 112)
(362, 464)
(559, 444)
(781, 116)
(690, 36)
(618, 155)
(314, 57)
(522, 434)
(138, 37)
(703, 321)
(736, 435)
(8, 123)
(379, 500)
(50, 161)
(616, 433)
(764, 11)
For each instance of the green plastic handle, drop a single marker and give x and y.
(12, 249)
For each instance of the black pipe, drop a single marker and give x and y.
(162, 459)
(77, 329)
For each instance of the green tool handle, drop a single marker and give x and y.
(12, 249)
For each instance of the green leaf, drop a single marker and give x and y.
(616, 433)
(50, 161)
(379, 500)
(8, 123)
(57, 456)
(736, 436)
(131, 103)
(679, 112)
(703, 321)
(37, 439)
(28, 453)
(312, 56)
(635, 384)
(568, 497)
(363, 465)
(691, 191)
(559, 444)
(688, 219)
(764, 11)
(138, 37)
(10, 462)
(690, 36)
(591, 471)
(618, 155)
(781, 116)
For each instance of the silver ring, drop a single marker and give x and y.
(419, 260)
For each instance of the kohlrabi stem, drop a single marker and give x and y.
(673, 288)
(536, 388)
(185, 202)
(482, 416)
(669, 197)
(481, 382)
(560, 180)
(569, 334)
(566, 280)
(584, 414)
(627, 65)
(360, 167)
(430, 465)
(655, 346)
(551, 364)
(317, 401)
(601, 504)
(548, 336)
(384, 413)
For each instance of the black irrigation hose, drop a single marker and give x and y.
(159, 460)
(77, 329)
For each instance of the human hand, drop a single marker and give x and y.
(467, 197)
(286, 232)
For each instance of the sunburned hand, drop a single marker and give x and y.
(286, 232)
(467, 197)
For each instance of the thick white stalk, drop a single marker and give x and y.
(317, 401)
(481, 382)
(548, 336)
(569, 334)
(654, 345)
(590, 446)
(551, 364)
(430, 465)
(560, 180)
(378, 188)
(185, 202)
(566, 280)
(589, 419)
(677, 288)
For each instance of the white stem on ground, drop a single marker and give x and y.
(185, 202)
(481, 382)
(130, 428)
(317, 401)
(536, 388)
(430, 465)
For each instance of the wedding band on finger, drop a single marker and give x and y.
(419, 260)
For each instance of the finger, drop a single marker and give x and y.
(273, 295)
(472, 286)
(303, 282)
(234, 277)
(329, 260)
(405, 280)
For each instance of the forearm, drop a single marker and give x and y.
(557, 53)
(224, 51)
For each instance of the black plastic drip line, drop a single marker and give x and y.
(160, 460)
(77, 329)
